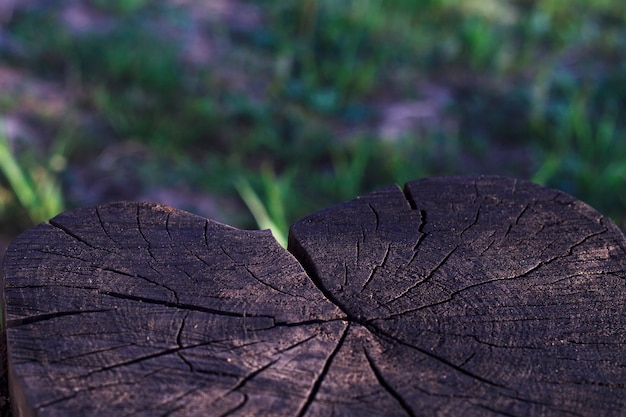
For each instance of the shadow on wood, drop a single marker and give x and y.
(470, 296)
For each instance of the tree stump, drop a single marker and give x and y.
(456, 296)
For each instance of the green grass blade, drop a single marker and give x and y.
(258, 210)
(19, 182)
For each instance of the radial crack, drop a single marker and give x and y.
(176, 399)
(206, 235)
(376, 215)
(12, 323)
(143, 236)
(454, 294)
(179, 342)
(249, 377)
(474, 222)
(519, 216)
(181, 306)
(320, 378)
(427, 278)
(494, 410)
(408, 197)
(420, 238)
(306, 322)
(386, 386)
(302, 255)
(377, 267)
(237, 407)
(164, 352)
(66, 359)
(446, 362)
(101, 222)
(298, 343)
(158, 284)
(167, 228)
(267, 284)
(70, 233)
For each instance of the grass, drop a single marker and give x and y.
(269, 215)
(36, 190)
(284, 118)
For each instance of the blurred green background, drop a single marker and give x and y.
(256, 113)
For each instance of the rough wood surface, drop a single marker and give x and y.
(455, 296)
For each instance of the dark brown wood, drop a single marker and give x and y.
(471, 296)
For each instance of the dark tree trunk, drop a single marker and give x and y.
(455, 296)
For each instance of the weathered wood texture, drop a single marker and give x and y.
(453, 297)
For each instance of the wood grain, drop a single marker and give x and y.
(471, 296)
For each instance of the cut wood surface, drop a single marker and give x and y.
(455, 296)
